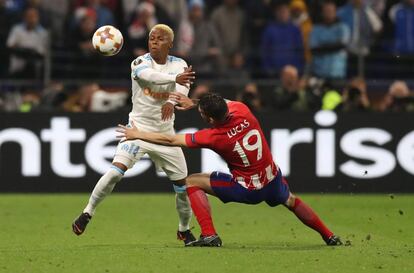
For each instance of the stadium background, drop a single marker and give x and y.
(60, 103)
(259, 52)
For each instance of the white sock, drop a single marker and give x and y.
(184, 210)
(104, 187)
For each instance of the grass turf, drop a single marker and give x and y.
(136, 233)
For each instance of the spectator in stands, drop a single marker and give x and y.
(331, 99)
(399, 98)
(104, 15)
(80, 100)
(86, 60)
(140, 27)
(314, 88)
(57, 11)
(258, 14)
(30, 100)
(44, 16)
(251, 97)
(91, 97)
(282, 42)
(15, 6)
(377, 5)
(291, 93)
(302, 20)
(176, 10)
(129, 9)
(28, 43)
(328, 42)
(228, 20)
(116, 8)
(402, 15)
(236, 70)
(53, 97)
(107, 101)
(354, 97)
(7, 19)
(198, 41)
(199, 90)
(364, 25)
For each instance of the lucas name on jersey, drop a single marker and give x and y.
(238, 129)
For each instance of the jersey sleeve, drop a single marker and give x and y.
(181, 88)
(199, 139)
(178, 87)
(142, 69)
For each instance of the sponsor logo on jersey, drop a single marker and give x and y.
(156, 95)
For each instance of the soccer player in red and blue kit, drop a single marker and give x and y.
(237, 137)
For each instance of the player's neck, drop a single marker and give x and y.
(220, 123)
(159, 59)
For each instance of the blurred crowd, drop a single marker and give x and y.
(319, 51)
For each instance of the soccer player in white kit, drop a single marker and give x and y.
(154, 76)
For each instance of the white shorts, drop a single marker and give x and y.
(169, 159)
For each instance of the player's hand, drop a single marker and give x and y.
(167, 110)
(187, 77)
(127, 133)
(183, 102)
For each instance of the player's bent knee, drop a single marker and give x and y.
(180, 182)
(197, 179)
(119, 168)
(179, 186)
(189, 182)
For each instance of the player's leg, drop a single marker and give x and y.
(183, 207)
(197, 187)
(306, 214)
(172, 161)
(125, 157)
(104, 187)
(277, 192)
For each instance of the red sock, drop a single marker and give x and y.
(201, 209)
(310, 218)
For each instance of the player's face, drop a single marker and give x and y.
(159, 43)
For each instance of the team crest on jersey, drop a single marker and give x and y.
(137, 62)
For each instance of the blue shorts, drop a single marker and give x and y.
(227, 190)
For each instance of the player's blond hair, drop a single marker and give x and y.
(164, 28)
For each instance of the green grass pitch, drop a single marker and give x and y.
(136, 233)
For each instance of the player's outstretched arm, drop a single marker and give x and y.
(183, 102)
(167, 110)
(130, 133)
(149, 74)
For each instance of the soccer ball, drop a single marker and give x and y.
(107, 40)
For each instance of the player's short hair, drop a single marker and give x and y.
(164, 28)
(213, 106)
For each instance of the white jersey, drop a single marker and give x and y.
(151, 85)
